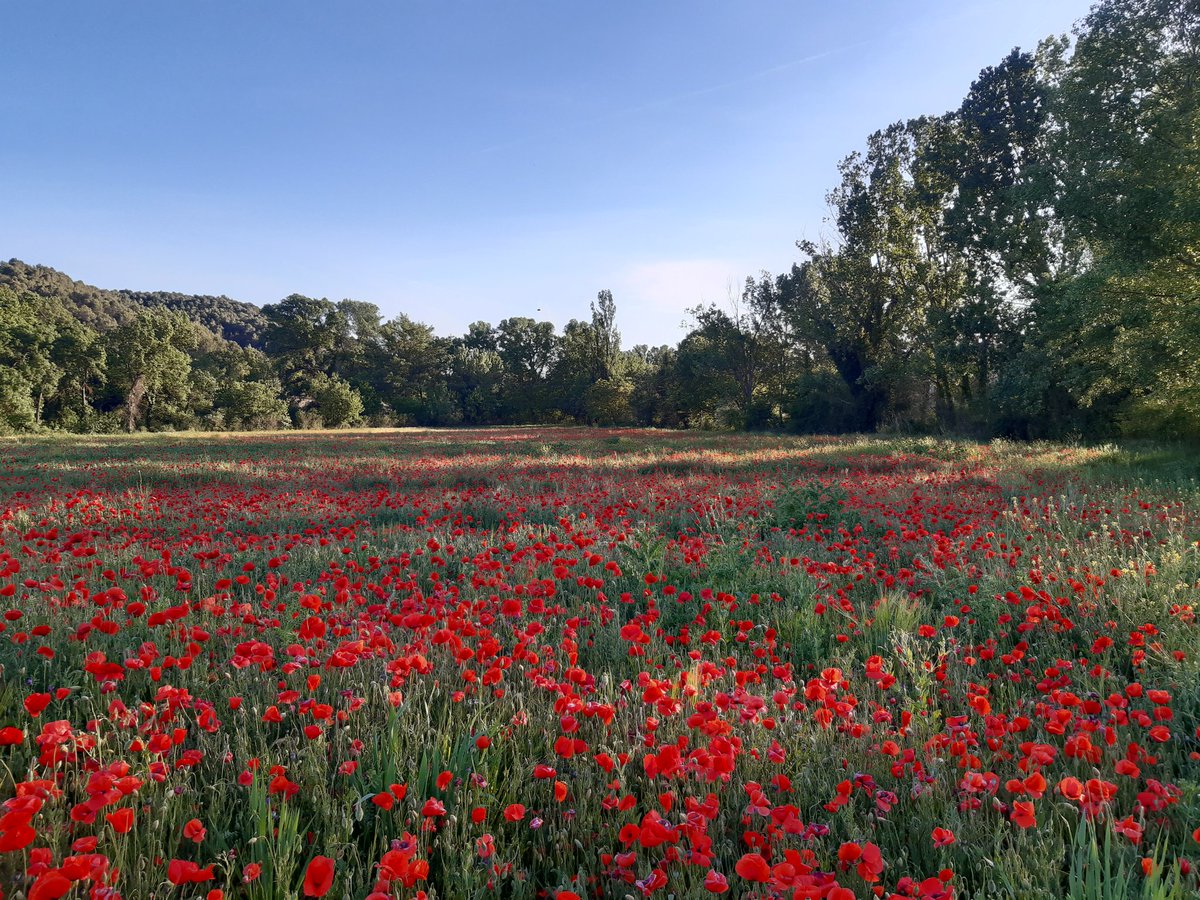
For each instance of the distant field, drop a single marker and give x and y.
(559, 663)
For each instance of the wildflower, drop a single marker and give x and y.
(715, 882)
(121, 819)
(753, 867)
(318, 877)
(514, 812)
(1023, 814)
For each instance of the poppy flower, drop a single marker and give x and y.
(715, 882)
(1071, 788)
(50, 885)
(1023, 814)
(121, 820)
(1127, 827)
(1160, 733)
(753, 867)
(318, 877)
(16, 837)
(36, 703)
(514, 812)
(11, 735)
(194, 830)
(943, 837)
(183, 871)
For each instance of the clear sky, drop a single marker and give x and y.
(459, 161)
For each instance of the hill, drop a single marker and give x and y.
(234, 321)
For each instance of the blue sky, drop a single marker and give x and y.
(460, 161)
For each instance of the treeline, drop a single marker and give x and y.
(1027, 264)
(77, 358)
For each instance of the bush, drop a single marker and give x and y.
(336, 402)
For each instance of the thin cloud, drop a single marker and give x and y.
(664, 102)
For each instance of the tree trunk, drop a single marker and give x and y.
(134, 401)
(868, 399)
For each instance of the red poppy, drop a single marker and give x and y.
(183, 871)
(50, 885)
(753, 867)
(318, 877)
(1023, 814)
(1128, 828)
(11, 735)
(715, 882)
(35, 703)
(1071, 788)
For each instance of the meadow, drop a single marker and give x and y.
(573, 663)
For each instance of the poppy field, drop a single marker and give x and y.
(568, 663)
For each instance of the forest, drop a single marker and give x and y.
(1025, 265)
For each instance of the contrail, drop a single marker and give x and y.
(676, 98)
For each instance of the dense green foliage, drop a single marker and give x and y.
(1027, 264)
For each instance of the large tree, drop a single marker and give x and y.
(304, 336)
(867, 298)
(1128, 148)
(149, 369)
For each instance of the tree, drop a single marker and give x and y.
(1128, 141)
(475, 375)
(303, 336)
(656, 395)
(79, 352)
(335, 401)
(410, 370)
(864, 301)
(528, 350)
(606, 351)
(28, 360)
(149, 368)
(252, 405)
(728, 362)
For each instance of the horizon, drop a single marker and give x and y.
(664, 154)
